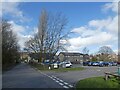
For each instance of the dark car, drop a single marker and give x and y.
(86, 63)
(118, 63)
(114, 63)
(101, 63)
(90, 63)
(106, 63)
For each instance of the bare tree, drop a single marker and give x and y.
(50, 32)
(10, 47)
(85, 50)
(104, 53)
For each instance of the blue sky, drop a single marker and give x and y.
(92, 23)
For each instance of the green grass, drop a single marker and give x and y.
(68, 69)
(98, 82)
(45, 68)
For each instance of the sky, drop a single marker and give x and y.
(93, 24)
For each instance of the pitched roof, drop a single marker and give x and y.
(70, 53)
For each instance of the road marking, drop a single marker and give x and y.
(65, 87)
(49, 76)
(53, 76)
(61, 84)
(70, 86)
(56, 81)
(57, 78)
(53, 79)
(61, 80)
(65, 83)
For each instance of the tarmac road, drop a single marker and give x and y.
(73, 77)
(24, 76)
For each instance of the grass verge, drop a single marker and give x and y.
(98, 82)
(45, 68)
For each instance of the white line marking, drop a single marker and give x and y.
(65, 83)
(53, 76)
(70, 86)
(53, 79)
(57, 81)
(61, 80)
(65, 87)
(49, 76)
(60, 83)
(57, 78)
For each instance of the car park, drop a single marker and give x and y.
(100, 63)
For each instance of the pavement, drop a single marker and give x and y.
(24, 76)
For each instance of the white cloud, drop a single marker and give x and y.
(12, 9)
(106, 24)
(22, 39)
(111, 6)
(12, 0)
(95, 39)
(97, 32)
(18, 30)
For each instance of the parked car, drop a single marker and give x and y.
(95, 64)
(101, 63)
(54, 65)
(65, 64)
(85, 63)
(106, 63)
(114, 63)
(68, 64)
(118, 63)
(90, 63)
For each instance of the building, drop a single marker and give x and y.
(24, 55)
(73, 57)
